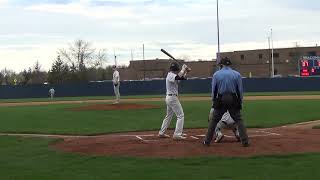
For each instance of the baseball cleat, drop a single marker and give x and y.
(245, 144)
(236, 134)
(179, 138)
(163, 136)
(219, 137)
(205, 143)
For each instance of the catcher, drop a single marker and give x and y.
(225, 122)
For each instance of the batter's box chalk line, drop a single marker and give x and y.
(141, 137)
(261, 133)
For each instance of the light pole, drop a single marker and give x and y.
(144, 63)
(272, 56)
(269, 57)
(115, 57)
(218, 30)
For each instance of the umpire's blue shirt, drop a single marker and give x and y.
(227, 80)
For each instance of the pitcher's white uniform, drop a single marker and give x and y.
(173, 106)
(116, 84)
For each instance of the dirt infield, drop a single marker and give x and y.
(122, 106)
(297, 138)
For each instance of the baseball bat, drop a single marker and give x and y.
(168, 54)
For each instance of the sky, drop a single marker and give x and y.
(34, 30)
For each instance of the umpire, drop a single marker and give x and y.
(227, 96)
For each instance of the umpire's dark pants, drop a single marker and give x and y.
(220, 108)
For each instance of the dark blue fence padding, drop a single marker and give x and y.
(281, 84)
(156, 87)
(195, 86)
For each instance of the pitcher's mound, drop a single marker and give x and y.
(115, 107)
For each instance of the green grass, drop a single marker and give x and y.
(59, 119)
(280, 112)
(153, 96)
(32, 159)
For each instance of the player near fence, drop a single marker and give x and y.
(227, 95)
(51, 92)
(116, 84)
(172, 101)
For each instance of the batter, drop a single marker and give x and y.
(173, 103)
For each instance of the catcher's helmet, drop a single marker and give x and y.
(225, 61)
(174, 66)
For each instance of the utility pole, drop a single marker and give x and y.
(218, 30)
(269, 55)
(115, 57)
(144, 64)
(272, 56)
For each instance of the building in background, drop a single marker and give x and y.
(258, 62)
(250, 63)
(158, 69)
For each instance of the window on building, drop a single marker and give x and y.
(276, 55)
(260, 56)
(242, 57)
(312, 53)
(292, 54)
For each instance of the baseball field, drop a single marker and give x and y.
(88, 138)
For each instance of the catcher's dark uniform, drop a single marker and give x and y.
(227, 96)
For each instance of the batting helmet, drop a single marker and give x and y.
(174, 66)
(225, 61)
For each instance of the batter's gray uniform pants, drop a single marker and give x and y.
(173, 107)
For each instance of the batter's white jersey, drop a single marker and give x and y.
(116, 77)
(171, 84)
(173, 107)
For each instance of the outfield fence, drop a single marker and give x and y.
(156, 87)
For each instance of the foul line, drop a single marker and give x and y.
(194, 137)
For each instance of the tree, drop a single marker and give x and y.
(26, 76)
(58, 72)
(101, 58)
(8, 76)
(1, 78)
(80, 56)
(38, 76)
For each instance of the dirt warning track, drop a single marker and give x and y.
(249, 98)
